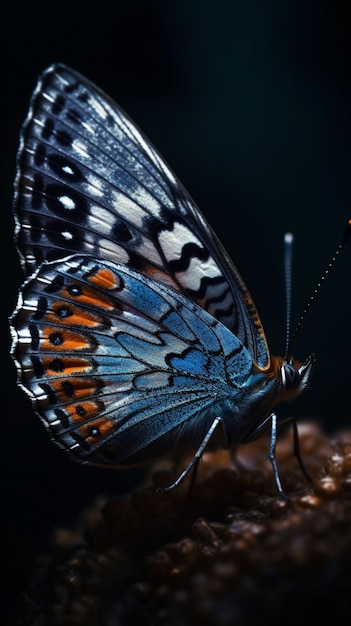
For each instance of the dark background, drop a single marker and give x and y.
(250, 103)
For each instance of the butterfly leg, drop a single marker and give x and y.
(297, 453)
(271, 455)
(196, 458)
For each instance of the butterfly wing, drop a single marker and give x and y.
(118, 366)
(90, 182)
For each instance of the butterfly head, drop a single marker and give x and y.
(286, 380)
(294, 377)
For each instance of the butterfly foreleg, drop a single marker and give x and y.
(296, 444)
(196, 458)
(297, 453)
(271, 454)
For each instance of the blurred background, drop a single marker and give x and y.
(249, 102)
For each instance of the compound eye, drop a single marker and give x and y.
(292, 375)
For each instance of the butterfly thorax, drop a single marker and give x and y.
(284, 381)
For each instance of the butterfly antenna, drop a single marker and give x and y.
(288, 249)
(346, 236)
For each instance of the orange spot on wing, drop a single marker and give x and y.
(76, 315)
(81, 412)
(65, 366)
(74, 388)
(91, 297)
(88, 296)
(105, 279)
(54, 340)
(97, 430)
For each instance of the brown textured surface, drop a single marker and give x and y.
(231, 553)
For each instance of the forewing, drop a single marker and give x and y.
(114, 362)
(90, 182)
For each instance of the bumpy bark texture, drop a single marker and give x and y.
(229, 552)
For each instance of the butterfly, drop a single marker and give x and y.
(134, 335)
